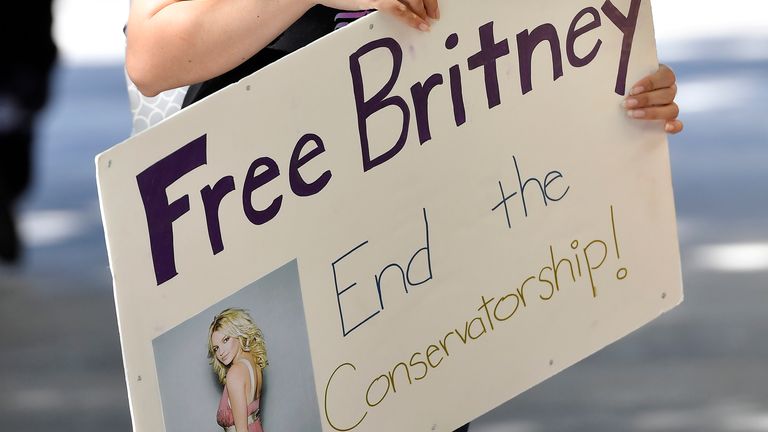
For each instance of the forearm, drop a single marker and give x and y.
(173, 43)
(241, 425)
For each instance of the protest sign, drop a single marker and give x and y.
(422, 226)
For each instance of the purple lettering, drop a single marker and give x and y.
(627, 24)
(211, 200)
(299, 186)
(366, 108)
(420, 93)
(153, 183)
(490, 51)
(253, 182)
(527, 43)
(574, 33)
(454, 74)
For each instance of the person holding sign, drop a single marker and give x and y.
(208, 44)
(237, 354)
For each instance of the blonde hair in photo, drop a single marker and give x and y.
(235, 322)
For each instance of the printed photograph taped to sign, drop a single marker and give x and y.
(266, 321)
(469, 211)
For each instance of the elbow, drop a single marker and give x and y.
(142, 74)
(156, 53)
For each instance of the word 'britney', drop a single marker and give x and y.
(153, 183)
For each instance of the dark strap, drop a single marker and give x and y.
(199, 91)
(316, 23)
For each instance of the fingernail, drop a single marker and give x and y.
(636, 90)
(669, 127)
(423, 27)
(629, 103)
(437, 13)
(636, 114)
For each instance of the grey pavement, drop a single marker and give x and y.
(703, 367)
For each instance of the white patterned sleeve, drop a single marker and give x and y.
(148, 111)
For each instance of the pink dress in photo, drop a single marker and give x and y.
(225, 417)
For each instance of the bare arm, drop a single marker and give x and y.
(172, 43)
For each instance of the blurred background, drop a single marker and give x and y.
(703, 367)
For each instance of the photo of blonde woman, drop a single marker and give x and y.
(238, 355)
(230, 338)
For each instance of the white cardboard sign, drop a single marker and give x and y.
(422, 225)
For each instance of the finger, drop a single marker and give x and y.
(402, 12)
(432, 9)
(665, 112)
(663, 96)
(664, 77)
(673, 127)
(417, 6)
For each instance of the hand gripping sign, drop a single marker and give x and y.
(394, 230)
